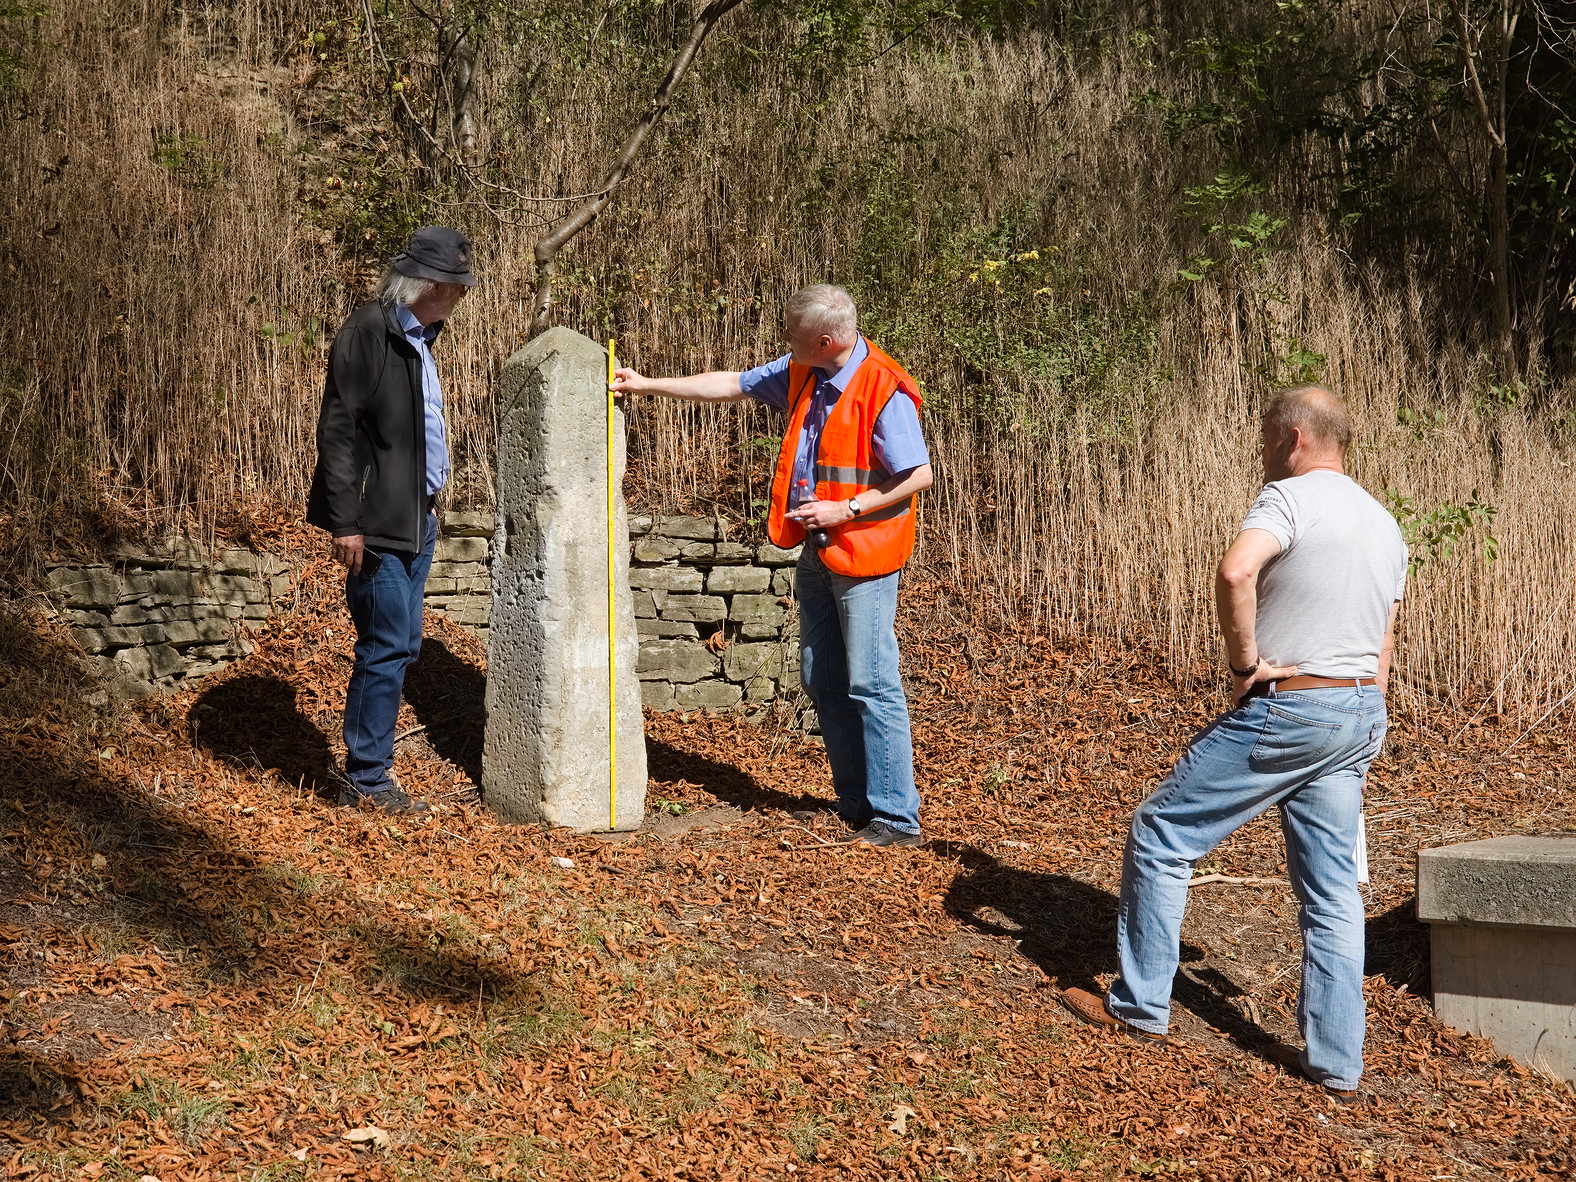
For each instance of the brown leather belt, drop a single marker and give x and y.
(1306, 682)
(1260, 689)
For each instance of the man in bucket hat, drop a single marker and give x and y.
(382, 457)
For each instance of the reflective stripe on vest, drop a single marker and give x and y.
(874, 543)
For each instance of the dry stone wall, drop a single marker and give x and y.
(155, 617)
(715, 615)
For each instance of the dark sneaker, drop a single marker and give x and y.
(1086, 1007)
(879, 833)
(393, 800)
(396, 801)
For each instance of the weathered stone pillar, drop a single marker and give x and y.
(546, 753)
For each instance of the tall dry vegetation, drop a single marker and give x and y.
(200, 197)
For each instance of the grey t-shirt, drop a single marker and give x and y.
(1324, 600)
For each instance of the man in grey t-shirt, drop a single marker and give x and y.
(1307, 597)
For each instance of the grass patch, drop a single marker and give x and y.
(301, 883)
(192, 1118)
(804, 1133)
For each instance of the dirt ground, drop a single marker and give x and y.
(210, 971)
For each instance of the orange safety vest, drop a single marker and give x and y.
(875, 543)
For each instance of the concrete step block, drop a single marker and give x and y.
(1520, 880)
(1502, 936)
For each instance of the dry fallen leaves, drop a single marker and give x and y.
(331, 970)
(900, 1116)
(368, 1134)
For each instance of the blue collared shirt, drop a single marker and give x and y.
(896, 439)
(421, 336)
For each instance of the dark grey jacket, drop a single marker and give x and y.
(371, 475)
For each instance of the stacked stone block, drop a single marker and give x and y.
(715, 616)
(156, 616)
(459, 586)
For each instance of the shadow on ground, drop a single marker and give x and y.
(725, 782)
(1068, 929)
(254, 721)
(449, 697)
(33, 1083)
(1397, 949)
(169, 877)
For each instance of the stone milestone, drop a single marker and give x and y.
(546, 751)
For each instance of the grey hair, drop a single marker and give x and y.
(1319, 413)
(824, 310)
(397, 290)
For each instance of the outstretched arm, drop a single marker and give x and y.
(1236, 605)
(718, 385)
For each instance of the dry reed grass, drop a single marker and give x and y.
(142, 391)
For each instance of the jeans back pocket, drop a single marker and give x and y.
(1290, 742)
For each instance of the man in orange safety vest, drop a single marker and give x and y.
(851, 464)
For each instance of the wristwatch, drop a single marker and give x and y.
(853, 506)
(1248, 672)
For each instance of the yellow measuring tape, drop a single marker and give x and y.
(612, 574)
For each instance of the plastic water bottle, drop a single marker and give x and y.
(819, 539)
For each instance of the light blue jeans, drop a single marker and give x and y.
(849, 658)
(1308, 752)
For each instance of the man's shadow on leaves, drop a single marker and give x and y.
(175, 879)
(1068, 929)
(255, 721)
(1397, 949)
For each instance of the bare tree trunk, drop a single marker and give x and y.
(464, 58)
(549, 245)
(1491, 104)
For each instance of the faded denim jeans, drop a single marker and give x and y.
(848, 652)
(1307, 751)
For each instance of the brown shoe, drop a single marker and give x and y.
(1086, 1007)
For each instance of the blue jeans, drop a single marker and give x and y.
(386, 609)
(848, 653)
(1308, 752)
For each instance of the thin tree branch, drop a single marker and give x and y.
(1469, 58)
(547, 248)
